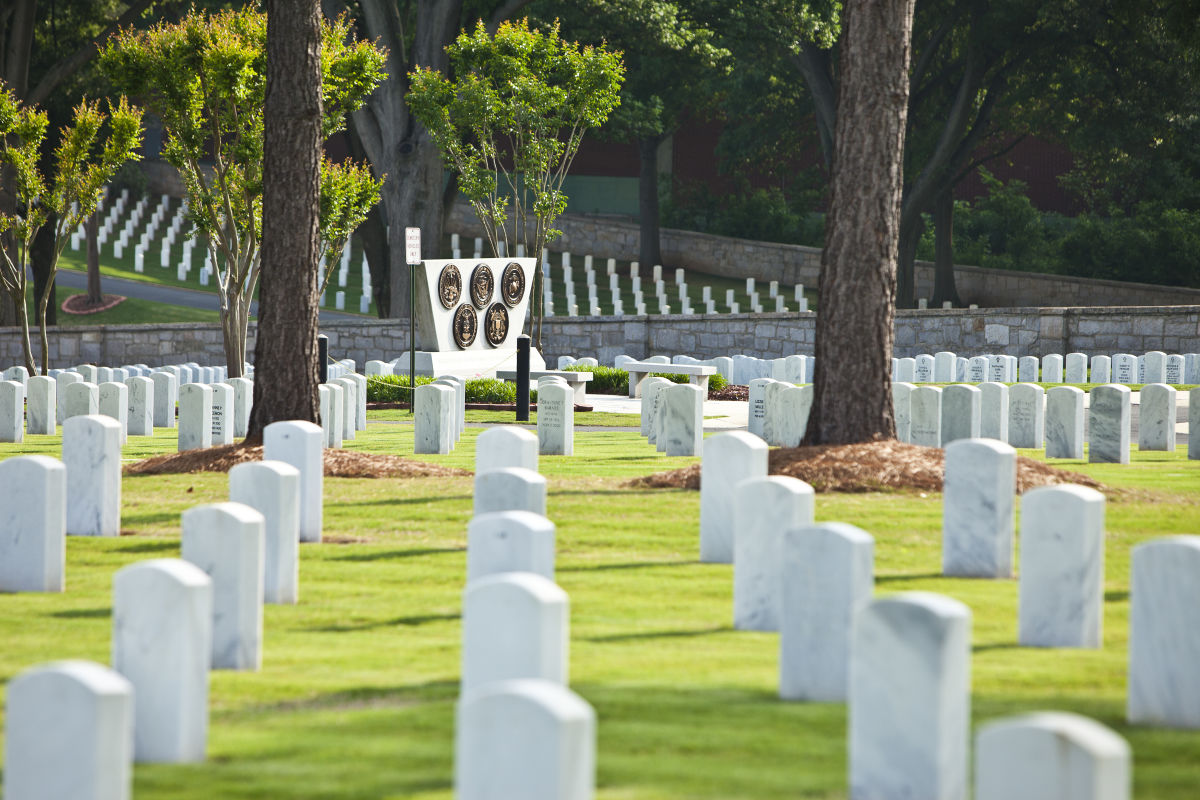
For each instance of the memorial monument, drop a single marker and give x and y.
(469, 313)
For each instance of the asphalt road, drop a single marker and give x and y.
(176, 296)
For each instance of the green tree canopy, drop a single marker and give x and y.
(205, 77)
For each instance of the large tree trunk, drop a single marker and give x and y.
(649, 252)
(399, 146)
(912, 228)
(943, 258)
(852, 392)
(285, 353)
(92, 229)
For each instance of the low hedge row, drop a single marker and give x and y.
(394, 389)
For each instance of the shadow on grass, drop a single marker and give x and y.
(152, 546)
(983, 648)
(636, 637)
(908, 578)
(411, 622)
(628, 565)
(83, 613)
(389, 554)
(1116, 597)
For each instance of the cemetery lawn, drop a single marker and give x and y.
(129, 311)
(479, 416)
(356, 695)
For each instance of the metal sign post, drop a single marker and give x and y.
(412, 254)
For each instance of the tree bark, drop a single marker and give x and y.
(41, 258)
(649, 251)
(285, 353)
(852, 392)
(92, 229)
(399, 146)
(943, 258)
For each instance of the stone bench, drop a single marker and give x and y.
(576, 380)
(640, 370)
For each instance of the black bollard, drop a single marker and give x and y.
(522, 378)
(322, 359)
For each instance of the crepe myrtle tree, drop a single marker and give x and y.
(205, 77)
(92, 147)
(510, 122)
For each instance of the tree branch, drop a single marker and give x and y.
(505, 12)
(64, 68)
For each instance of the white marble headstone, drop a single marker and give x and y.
(1051, 756)
(944, 367)
(993, 411)
(91, 452)
(1101, 370)
(68, 733)
(763, 509)
(902, 409)
(515, 625)
(33, 521)
(195, 416)
(683, 423)
(729, 458)
(555, 419)
(12, 411)
(433, 420)
(140, 419)
(301, 444)
(1052, 368)
(1125, 368)
(82, 398)
(243, 402)
(114, 402)
(961, 413)
(272, 488)
(528, 739)
(1026, 415)
(1064, 422)
(828, 577)
(1164, 640)
(1061, 600)
(506, 446)
(906, 371)
(1156, 419)
(162, 644)
(1075, 367)
(510, 489)
(1155, 364)
(1109, 424)
(977, 509)
(925, 416)
(226, 541)
(41, 406)
(166, 396)
(1028, 369)
(510, 541)
(910, 698)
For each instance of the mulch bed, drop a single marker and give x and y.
(731, 392)
(338, 463)
(868, 467)
(78, 304)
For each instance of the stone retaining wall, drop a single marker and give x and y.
(1013, 331)
(790, 264)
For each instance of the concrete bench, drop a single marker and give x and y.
(640, 370)
(576, 380)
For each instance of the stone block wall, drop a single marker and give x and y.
(1015, 331)
(605, 237)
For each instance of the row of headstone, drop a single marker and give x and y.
(439, 413)
(1122, 368)
(672, 416)
(779, 411)
(173, 621)
(738, 369)
(520, 731)
(1027, 416)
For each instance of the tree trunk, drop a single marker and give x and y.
(285, 353)
(92, 228)
(372, 233)
(399, 146)
(943, 258)
(41, 258)
(912, 228)
(649, 252)
(852, 392)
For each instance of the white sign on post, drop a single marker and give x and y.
(412, 245)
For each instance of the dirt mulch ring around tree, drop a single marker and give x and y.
(868, 467)
(77, 304)
(731, 392)
(338, 463)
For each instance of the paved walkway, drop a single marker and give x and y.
(172, 295)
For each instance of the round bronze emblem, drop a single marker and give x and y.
(512, 284)
(466, 325)
(495, 324)
(449, 285)
(482, 284)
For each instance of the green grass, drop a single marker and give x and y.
(131, 311)
(356, 695)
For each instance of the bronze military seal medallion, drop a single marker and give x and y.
(512, 284)
(466, 325)
(449, 285)
(495, 324)
(482, 286)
